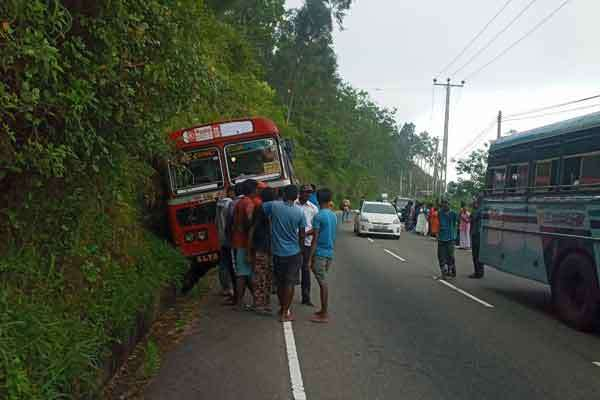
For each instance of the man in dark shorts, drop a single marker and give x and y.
(287, 231)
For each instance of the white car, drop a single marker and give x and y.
(377, 218)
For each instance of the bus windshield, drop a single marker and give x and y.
(258, 159)
(196, 170)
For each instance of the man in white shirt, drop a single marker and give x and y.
(310, 210)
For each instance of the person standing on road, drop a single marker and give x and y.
(226, 272)
(434, 221)
(310, 210)
(345, 210)
(242, 220)
(287, 232)
(476, 240)
(465, 227)
(260, 248)
(446, 241)
(322, 249)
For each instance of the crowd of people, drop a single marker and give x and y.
(271, 241)
(450, 229)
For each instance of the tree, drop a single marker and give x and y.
(471, 172)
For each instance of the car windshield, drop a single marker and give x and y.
(378, 209)
(257, 159)
(196, 170)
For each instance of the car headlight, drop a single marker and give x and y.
(189, 236)
(396, 221)
(364, 219)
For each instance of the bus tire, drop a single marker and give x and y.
(575, 291)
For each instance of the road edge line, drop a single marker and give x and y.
(298, 392)
(464, 293)
(394, 255)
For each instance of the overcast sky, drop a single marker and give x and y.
(400, 45)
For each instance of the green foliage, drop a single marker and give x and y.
(471, 172)
(151, 359)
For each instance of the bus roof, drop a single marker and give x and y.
(223, 131)
(584, 122)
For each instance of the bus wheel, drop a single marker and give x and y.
(575, 291)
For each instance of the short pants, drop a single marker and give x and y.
(321, 268)
(287, 269)
(242, 268)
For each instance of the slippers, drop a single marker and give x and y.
(288, 318)
(319, 319)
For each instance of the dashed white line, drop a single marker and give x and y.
(459, 290)
(293, 362)
(370, 240)
(596, 363)
(394, 255)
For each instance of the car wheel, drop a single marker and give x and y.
(398, 237)
(575, 291)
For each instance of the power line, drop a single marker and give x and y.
(536, 27)
(553, 113)
(475, 140)
(490, 42)
(468, 45)
(553, 106)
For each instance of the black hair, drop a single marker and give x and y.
(324, 196)
(314, 187)
(267, 194)
(239, 188)
(290, 192)
(250, 185)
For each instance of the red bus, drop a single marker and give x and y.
(209, 159)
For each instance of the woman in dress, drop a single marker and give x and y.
(465, 227)
(260, 242)
(422, 224)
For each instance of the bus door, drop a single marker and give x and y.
(515, 218)
(492, 221)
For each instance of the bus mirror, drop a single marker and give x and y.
(288, 145)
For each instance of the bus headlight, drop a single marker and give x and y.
(189, 236)
(202, 235)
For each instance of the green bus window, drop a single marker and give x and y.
(543, 173)
(571, 171)
(590, 170)
(499, 178)
(518, 176)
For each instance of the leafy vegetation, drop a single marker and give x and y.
(88, 91)
(471, 172)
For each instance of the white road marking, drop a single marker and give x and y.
(293, 362)
(394, 255)
(596, 363)
(459, 290)
(370, 240)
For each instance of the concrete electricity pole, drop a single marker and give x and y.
(499, 124)
(448, 86)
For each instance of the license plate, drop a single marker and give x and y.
(205, 258)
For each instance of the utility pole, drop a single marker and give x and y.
(435, 168)
(499, 124)
(449, 87)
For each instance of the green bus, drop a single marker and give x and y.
(541, 212)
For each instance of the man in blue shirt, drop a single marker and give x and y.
(446, 240)
(287, 232)
(322, 249)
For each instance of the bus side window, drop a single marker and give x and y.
(543, 175)
(498, 179)
(571, 171)
(590, 170)
(518, 176)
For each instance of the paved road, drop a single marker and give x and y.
(395, 333)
